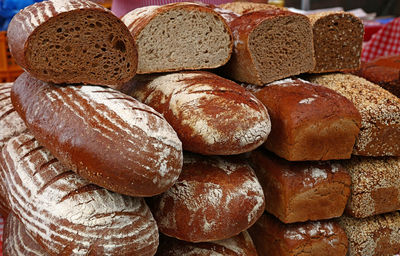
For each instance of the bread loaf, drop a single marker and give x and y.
(273, 238)
(374, 236)
(270, 45)
(239, 245)
(301, 191)
(18, 242)
(338, 38)
(210, 114)
(72, 41)
(105, 136)
(309, 122)
(375, 187)
(379, 109)
(240, 7)
(179, 36)
(214, 198)
(66, 214)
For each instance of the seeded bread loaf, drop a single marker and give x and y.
(273, 238)
(379, 109)
(338, 38)
(66, 214)
(214, 198)
(105, 136)
(309, 122)
(374, 236)
(18, 242)
(72, 41)
(179, 36)
(301, 191)
(239, 245)
(270, 45)
(245, 7)
(210, 114)
(375, 185)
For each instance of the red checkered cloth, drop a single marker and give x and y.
(383, 43)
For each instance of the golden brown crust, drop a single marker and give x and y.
(245, 7)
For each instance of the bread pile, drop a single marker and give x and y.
(176, 160)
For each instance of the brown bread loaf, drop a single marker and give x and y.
(374, 236)
(273, 238)
(375, 187)
(214, 198)
(309, 122)
(270, 45)
(66, 214)
(301, 191)
(210, 114)
(379, 109)
(239, 245)
(338, 38)
(102, 134)
(72, 41)
(179, 36)
(18, 242)
(245, 7)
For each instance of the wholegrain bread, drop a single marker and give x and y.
(72, 41)
(301, 191)
(338, 38)
(179, 36)
(379, 109)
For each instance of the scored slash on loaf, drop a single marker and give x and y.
(72, 41)
(211, 115)
(102, 134)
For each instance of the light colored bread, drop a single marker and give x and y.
(309, 122)
(338, 38)
(301, 191)
(273, 238)
(72, 41)
(379, 109)
(211, 115)
(374, 236)
(214, 198)
(375, 187)
(66, 214)
(245, 7)
(105, 136)
(179, 36)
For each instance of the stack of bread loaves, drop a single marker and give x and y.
(110, 111)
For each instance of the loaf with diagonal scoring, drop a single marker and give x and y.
(65, 213)
(105, 136)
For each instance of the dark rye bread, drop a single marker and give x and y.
(374, 236)
(105, 136)
(301, 191)
(18, 242)
(214, 198)
(211, 115)
(179, 36)
(273, 238)
(270, 45)
(239, 245)
(72, 41)
(309, 121)
(338, 38)
(66, 214)
(380, 113)
(375, 187)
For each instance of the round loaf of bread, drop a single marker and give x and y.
(211, 115)
(72, 41)
(214, 198)
(105, 136)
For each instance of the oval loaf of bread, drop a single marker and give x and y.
(179, 36)
(211, 115)
(214, 198)
(105, 136)
(72, 41)
(65, 213)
